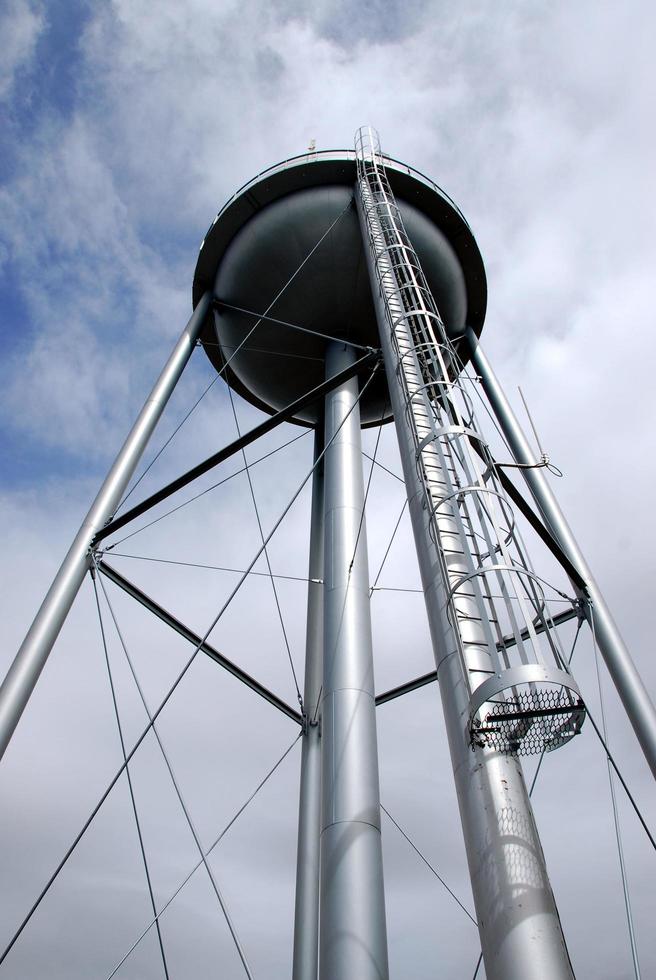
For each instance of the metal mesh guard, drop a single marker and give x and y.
(528, 722)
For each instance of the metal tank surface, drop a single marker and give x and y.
(271, 226)
(337, 290)
(298, 263)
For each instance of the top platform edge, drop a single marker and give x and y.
(291, 174)
(338, 156)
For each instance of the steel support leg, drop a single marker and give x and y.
(637, 703)
(30, 659)
(306, 918)
(353, 935)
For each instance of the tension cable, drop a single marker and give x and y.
(176, 787)
(429, 865)
(207, 854)
(616, 818)
(215, 568)
(169, 694)
(266, 556)
(202, 493)
(127, 768)
(236, 350)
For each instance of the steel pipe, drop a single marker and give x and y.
(29, 661)
(306, 915)
(633, 693)
(353, 934)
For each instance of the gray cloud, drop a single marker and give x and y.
(348, 24)
(535, 119)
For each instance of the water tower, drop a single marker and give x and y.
(367, 281)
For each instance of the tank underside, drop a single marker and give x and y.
(260, 239)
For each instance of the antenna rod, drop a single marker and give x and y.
(530, 418)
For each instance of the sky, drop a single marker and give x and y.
(125, 128)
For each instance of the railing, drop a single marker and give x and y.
(522, 696)
(317, 156)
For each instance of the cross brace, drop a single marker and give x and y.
(282, 416)
(133, 590)
(508, 641)
(197, 641)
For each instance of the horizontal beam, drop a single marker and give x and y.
(508, 641)
(540, 627)
(283, 416)
(413, 685)
(166, 617)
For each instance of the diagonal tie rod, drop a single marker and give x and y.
(223, 454)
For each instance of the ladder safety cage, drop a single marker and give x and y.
(523, 698)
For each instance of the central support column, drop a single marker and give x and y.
(306, 917)
(353, 935)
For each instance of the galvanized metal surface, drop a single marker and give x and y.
(306, 915)
(470, 518)
(519, 926)
(353, 934)
(31, 658)
(260, 238)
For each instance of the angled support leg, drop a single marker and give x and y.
(633, 693)
(31, 658)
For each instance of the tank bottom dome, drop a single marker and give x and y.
(329, 295)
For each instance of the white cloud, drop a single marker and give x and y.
(535, 120)
(79, 256)
(21, 23)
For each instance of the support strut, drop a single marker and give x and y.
(31, 658)
(353, 935)
(633, 693)
(306, 917)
